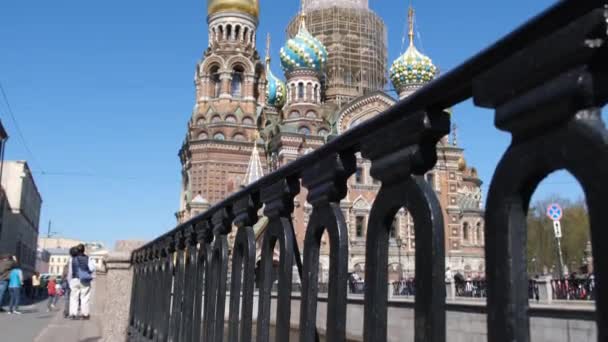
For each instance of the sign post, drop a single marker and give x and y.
(555, 213)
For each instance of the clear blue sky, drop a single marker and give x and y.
(102, 90)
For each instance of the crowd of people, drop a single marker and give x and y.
(74, 285)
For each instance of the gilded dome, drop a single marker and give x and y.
(303, 52)
(250, 7)
(275, 89)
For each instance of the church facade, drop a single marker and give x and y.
(247, 121)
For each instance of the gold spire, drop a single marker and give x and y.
(268, 49)
(302, 16)
(410, 17)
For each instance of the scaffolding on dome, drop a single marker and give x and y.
(356, 40)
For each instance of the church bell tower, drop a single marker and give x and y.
(222, 129)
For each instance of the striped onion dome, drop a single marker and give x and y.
(303, 52)
(412, 69)
(275, 89)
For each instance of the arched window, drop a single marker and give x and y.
(229, 32)
(478, 231)
(316, 93)
(236, 87)
(300, 91)
(247, 121)
(323, 132)
(200, 121)
(237, 32)
(219, 136)
(231, 119)
(216, 119)
(311, 114)
(465, 232)
(203, 135)
(245, 34)
(239, 137)
(294, 114)
(304, 130)
(216, 83)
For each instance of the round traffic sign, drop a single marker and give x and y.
(555, 212)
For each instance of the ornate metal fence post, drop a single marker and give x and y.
(549, 98)
(278, 199)
(178, 286)
(222, 225)
(166, 254)
(406, 147)
(326, 184)
(190, 285)
(204, 237)
(135, 298)
(243, 269)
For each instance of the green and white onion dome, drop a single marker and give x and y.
(303, 52)
(275, 90)
(412, 69)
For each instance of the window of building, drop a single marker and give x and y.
(323, 132)
(294, 114)
(304, 130)
(300, 91)
(239, 137)
(219, 136)
(359, 225)
(465, 232)
(311, 114)
(247, 121)
(359, 175)
(237, 82)
(231, 119)
(478, 231)
(216, 83)
(216, 119)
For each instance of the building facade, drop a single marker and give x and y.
(327, 90)
(21, 214)
(60, 256)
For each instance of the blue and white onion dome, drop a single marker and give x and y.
(412, 69)
(303, 52)
(275, 89)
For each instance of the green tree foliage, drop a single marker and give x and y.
(542, 250)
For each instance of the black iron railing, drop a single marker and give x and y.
(547, 82)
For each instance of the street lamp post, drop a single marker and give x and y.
(399, 244)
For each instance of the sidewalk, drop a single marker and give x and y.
(65, 330)
(38, 325)
(25, 327)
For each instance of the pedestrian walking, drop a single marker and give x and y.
(51, 288)
(7, 262)
(37, 290)
(15, 283)
(81, 276)
(65, 282)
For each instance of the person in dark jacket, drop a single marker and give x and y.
(7, 262)
(80, 275)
